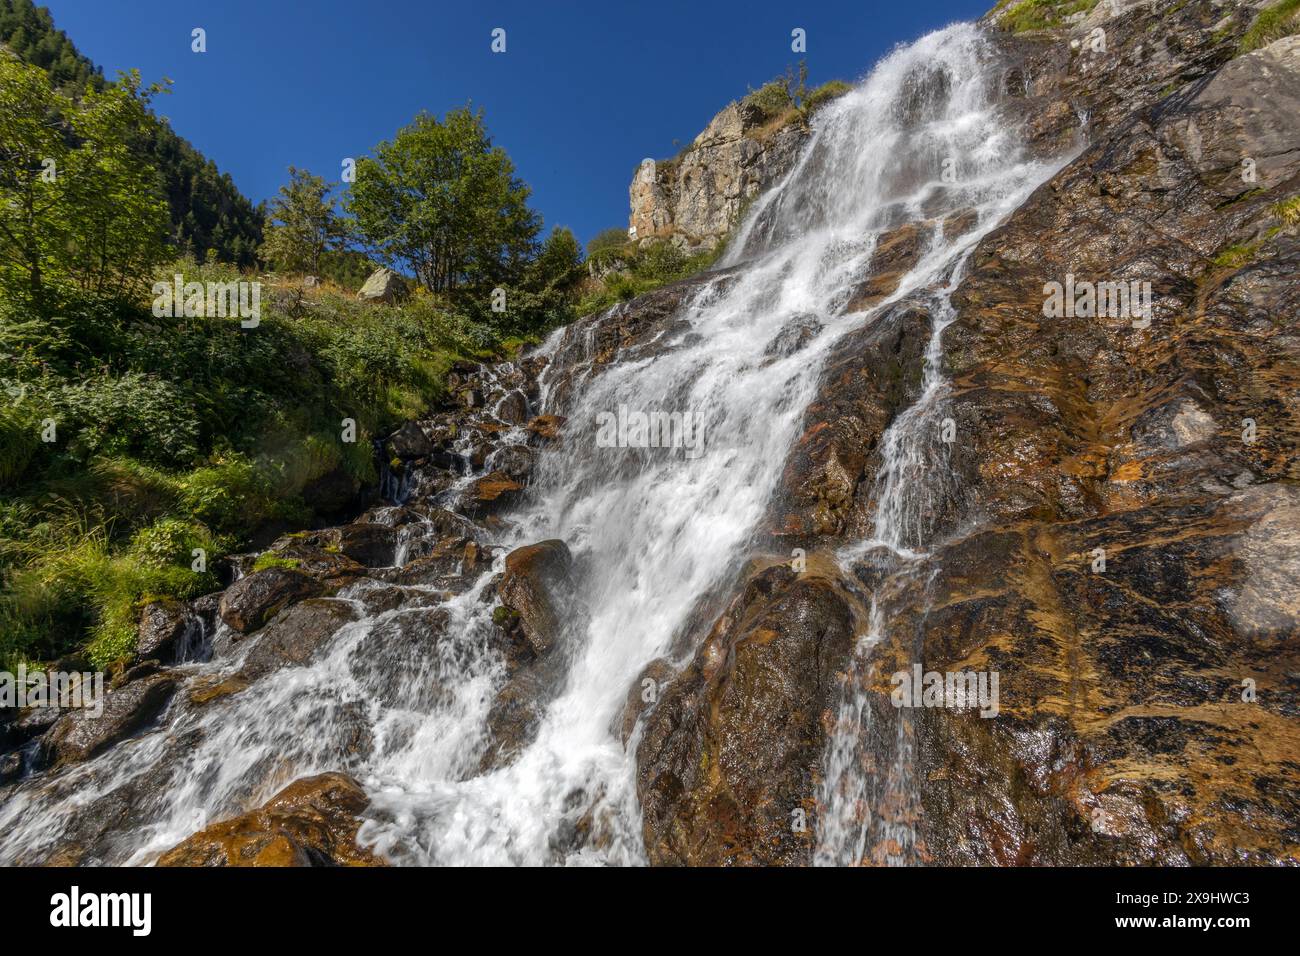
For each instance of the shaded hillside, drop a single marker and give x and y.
(207, 211)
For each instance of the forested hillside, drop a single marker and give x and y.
(207, 211)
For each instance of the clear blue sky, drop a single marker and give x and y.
(582, 94)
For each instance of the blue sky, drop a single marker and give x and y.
(582, 94)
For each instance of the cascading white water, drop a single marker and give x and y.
(400, 698)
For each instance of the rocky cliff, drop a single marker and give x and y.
(1118, 534)
(694, 199)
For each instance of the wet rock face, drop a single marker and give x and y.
(1072, 415)
(311, 822)
(1125, 579)
(537, 602)
(873, 373)
(1146, 712)
(729, 756)
(622, 331)
(164, 626)
(81, 734)
(253, 600)
(295, 636)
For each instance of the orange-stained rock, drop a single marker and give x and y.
(311, 822)
(547, 426)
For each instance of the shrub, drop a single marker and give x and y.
(171, 541)
(228, 495)
(137, 414)
(824, 94)
(19, 441)
(770, 100)
(1288, 210)
(606, 240)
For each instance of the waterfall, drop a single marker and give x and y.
(399, 697)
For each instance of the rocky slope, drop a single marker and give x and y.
(1148, 709)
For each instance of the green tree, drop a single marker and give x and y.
(558, 265)
(198, 195)
(304, 225)
(442, 201)
(78, 201)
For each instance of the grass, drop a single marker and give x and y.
(182, 437)
(1235, 256)
(646, 269)
(1040, 14)
(269, 560)
(1280, 20)
(1288, 210)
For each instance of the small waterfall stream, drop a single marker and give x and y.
(399, 698)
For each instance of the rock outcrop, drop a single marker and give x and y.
(311, 822)
(694, 199)
(731, 750)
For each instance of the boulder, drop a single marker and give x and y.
(546, 427)
(311, 822)
(79, 735)
(492, 492)
(512, 408)
(371, 545)
(537, 586)
(383, 285)
(253, 600)
(164, 629)
(294, 637)
(513, 461)
(410, 442)
(319, 555)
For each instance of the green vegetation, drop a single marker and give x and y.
(304, 225)
(637, 269)
(1288, 210)
(141, 438)
(207, 214)
(1274, 22)
(177, 434)
(787, 99)
(78, 203)
(1236, 256)
(442, 203)
(270, 560)
(1022, 15)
